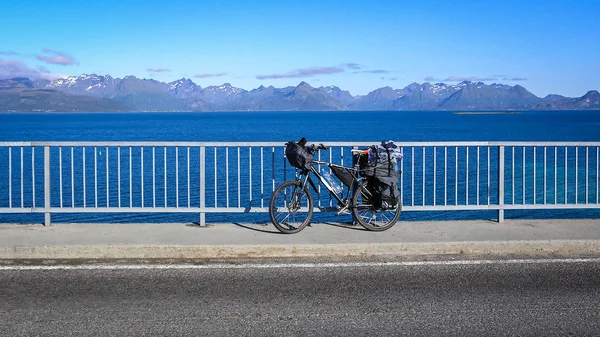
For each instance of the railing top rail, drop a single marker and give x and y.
(281, 143)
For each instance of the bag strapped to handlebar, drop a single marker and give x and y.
(298, 155)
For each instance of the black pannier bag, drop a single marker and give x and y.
(298, 155)
(385, 190)
(381, 178)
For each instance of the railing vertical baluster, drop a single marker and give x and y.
(95, 175)
(489, 178)
(513, 174)
(477, 182)
(544, 176)
(434, 174)
(586, 173)
(119, 176)
(555, 174)
(524, 176)
(423, 176)
(272, 168)
(284, 165)
(330, 161)
(142, 172)
(165, 174)
(83, 179)
(239, 182)
(72, 177)
(10, 177)
(576, 173)
(501, 183)
(33, 175)
(188, 176)
(250, 172)
(22, 193)
(202, 185)
(467, 177)
(153, 176)
(107, 181)
(177, 176)
(130, 179)
(412, 171)
(47, 185)
(445, 175)
(262, 174)
(401, 176)
(566, 175)
(456, 175)
(215, 174)
(60, 176)
(227, 176)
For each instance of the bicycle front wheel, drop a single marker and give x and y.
(371, 218)
(291, 207)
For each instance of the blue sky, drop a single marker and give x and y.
(549, 46)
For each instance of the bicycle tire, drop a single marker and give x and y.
(370, 218)
(282, 210)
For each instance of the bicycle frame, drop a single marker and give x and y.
(353, 171)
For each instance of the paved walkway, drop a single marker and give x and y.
(229, 240)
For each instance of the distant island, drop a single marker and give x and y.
(95, 93)
(487, 112)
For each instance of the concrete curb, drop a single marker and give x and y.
(537, 247)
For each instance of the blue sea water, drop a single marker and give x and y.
(282, 126)
(400, 126)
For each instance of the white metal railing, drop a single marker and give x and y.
(211, 177)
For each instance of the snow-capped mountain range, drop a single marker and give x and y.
(134, 94)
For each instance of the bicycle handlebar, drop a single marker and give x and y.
(315, 148)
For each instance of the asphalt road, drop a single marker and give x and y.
(495, 299)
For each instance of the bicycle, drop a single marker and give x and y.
(291, 205)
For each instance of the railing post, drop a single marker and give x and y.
(501, 183)
(46, 185)
(203, 184)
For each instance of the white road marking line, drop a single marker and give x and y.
(295, 265)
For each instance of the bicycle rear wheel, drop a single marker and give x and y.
(291, 207)
(371, 218)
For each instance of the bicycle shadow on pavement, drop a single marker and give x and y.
(347, 225)
(266, 227)
(263, 227)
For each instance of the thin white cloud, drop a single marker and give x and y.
(376, 71)
(305, 72)
(9, 53)
(158, 70)
(468, 78)
(206, 75)
(55, 57)
(352, 66)
(11, 69)
(431, 79)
